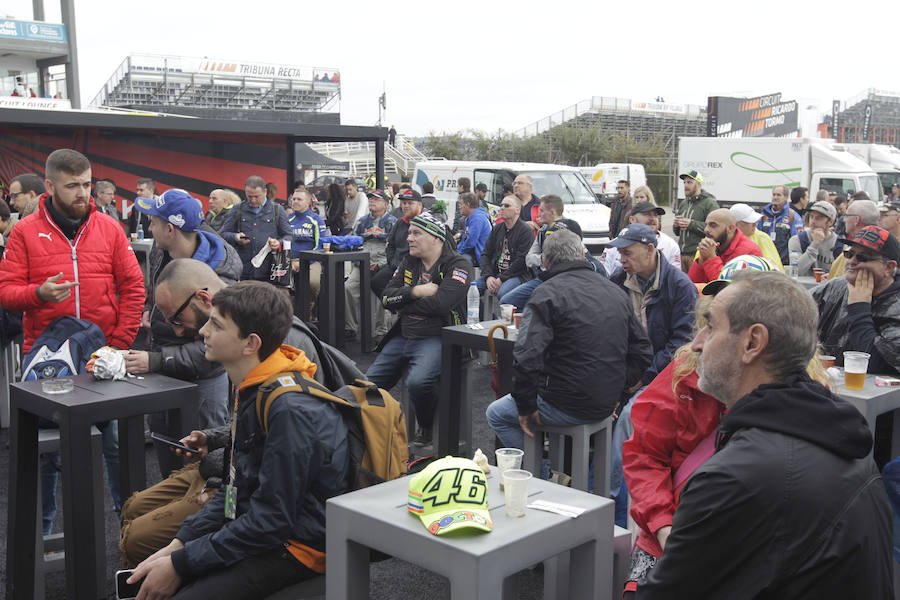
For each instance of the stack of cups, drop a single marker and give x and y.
(508, 458)
(513, 480)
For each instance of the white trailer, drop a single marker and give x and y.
(884, 160)
(746, 169)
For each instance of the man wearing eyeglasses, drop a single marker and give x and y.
(179, 231)
(860, 213)
(24, 189)
(861, 311)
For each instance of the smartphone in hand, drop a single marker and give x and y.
(173, 442)
(124, 590)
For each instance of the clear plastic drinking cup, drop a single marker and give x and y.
(855, 366)
(506, 312)
(508, 458)
(516, 491)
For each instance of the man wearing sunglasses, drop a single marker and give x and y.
(861, 311)
(179, 231)
(859, 214)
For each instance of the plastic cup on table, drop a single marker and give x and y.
(506, 312)
(826, 360)
(508, 458)
(516, 491)
(855, 366)
(326, 247)
(817, 273)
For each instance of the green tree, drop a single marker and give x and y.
(451, 146)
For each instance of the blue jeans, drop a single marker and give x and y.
(503, 418)
(618, 490)
(520, 294)
(424, 360)
(505, 287)
(51, 464)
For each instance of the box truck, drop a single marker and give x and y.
(566, 182)
(884, 160)
(603, 178)
(746, 169)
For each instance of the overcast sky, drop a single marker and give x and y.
(489, 65)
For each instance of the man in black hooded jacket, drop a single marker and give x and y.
(791, 504)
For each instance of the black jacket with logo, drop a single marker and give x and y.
(519, 240)
(424, 317)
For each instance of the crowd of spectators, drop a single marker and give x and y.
(747, 476)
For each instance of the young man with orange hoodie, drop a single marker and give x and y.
(265, 529)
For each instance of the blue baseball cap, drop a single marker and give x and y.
(635, 233)
(174, 206)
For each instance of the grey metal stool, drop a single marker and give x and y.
(48, 441)
(581, 445)
(490, 306)
(311, 589)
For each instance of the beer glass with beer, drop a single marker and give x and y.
(855, 366)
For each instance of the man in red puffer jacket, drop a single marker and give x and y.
(69, 259)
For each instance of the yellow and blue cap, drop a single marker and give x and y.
(450, 494)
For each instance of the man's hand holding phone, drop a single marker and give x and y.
(196, 440)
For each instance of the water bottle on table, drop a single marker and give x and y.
(794, 268)
(473, 302)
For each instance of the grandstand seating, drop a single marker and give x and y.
(153, 81)
(884, 125)
(622, 116)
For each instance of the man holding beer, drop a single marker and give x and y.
(861, 311)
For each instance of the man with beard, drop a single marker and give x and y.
(70, 259)
(723, 242)
(791, 504)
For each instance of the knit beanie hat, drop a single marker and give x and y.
(430, 224)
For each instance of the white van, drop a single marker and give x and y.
(603, 177)
(566, 182)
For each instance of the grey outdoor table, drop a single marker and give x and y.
(478, 564)
(90, 402)
(331, 295)
(807, 281)
(453, 340)
(873, 401)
